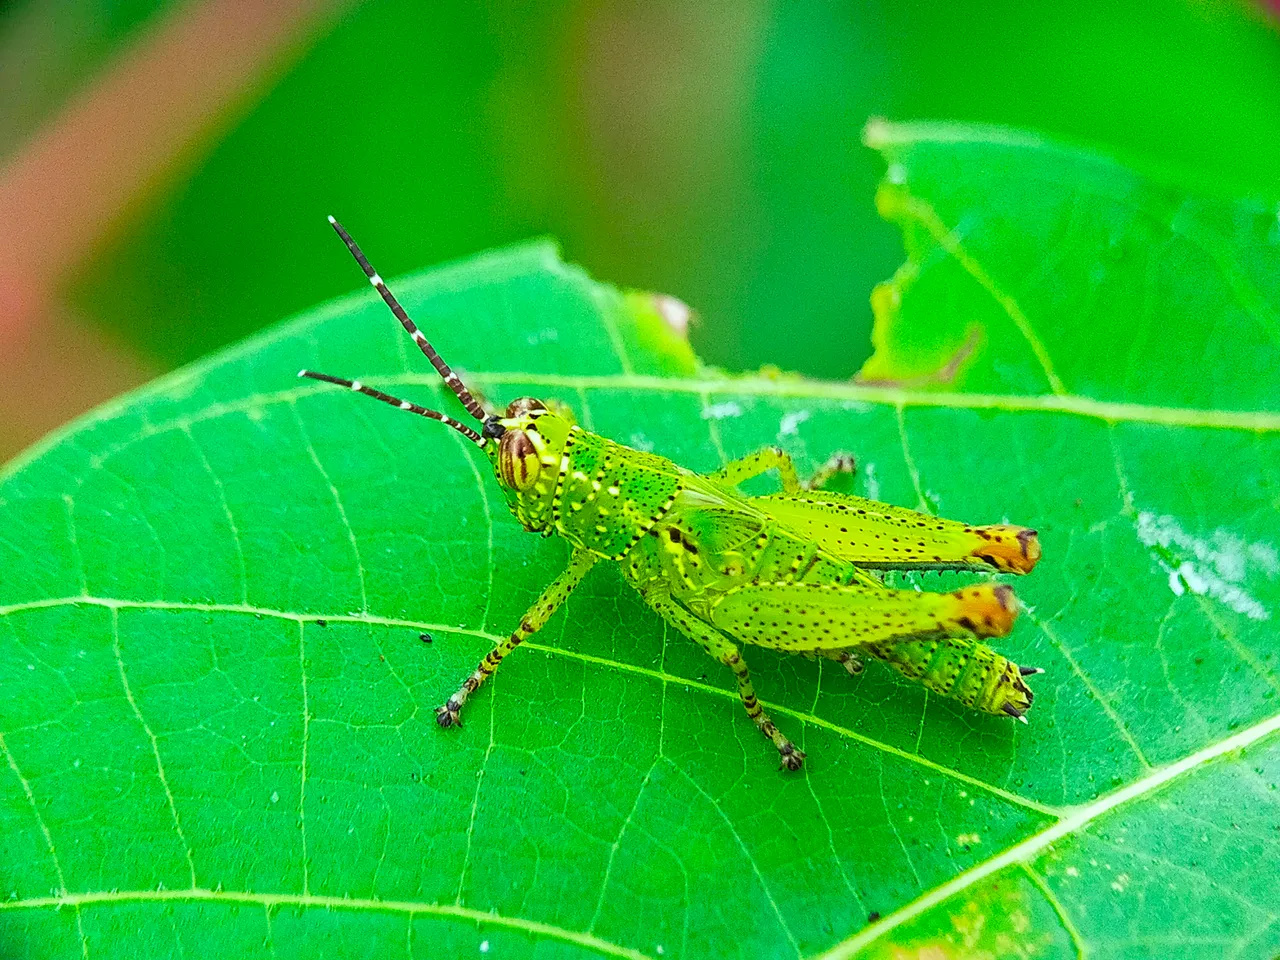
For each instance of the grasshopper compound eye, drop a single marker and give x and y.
(518, 460)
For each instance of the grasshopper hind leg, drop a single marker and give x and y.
(720, 647)
(932, 638)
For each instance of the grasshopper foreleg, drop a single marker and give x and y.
(547, 604)
(724, 650)
(775, 458)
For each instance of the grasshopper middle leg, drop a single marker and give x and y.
(724, 650)
(547, 604)
(775, 458)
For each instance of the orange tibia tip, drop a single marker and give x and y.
(987, 610)
(1007, 548)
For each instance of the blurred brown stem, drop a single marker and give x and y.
(61, 194)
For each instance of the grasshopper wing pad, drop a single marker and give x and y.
(884, 537)
(809, 617)
(722, 529)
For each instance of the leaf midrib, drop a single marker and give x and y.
(1074, 821)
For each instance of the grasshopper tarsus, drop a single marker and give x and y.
(838, 463)
(449, 715)
(801, 571)
(792, 759)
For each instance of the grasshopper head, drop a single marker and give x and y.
(526, 458)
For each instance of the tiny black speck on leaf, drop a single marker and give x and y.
(424, 637)
(322, 623)
(873, 916)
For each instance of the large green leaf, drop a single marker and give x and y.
(216, 721)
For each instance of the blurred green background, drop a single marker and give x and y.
(709, 150)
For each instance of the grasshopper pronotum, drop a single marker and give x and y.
(792, 570)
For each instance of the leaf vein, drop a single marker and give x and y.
(1255, 421)
(337, 502)
(617, 842)
(475, 798)
(155, 745)
(927, 216)
(302, 764)
(48, 841)
(226, 510)
(658, 675)
(755, 867)
(316, 901)
(1097, 694)
(1051, 898)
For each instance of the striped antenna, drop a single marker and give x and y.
(359, 387)
(442, 368)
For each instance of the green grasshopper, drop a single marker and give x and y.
(794, 571)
